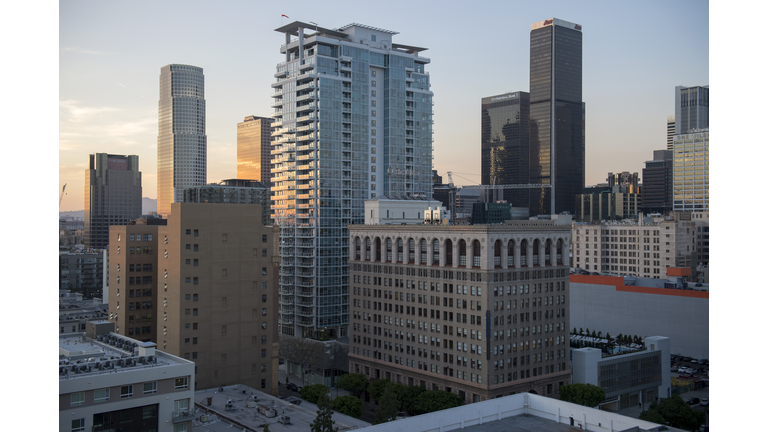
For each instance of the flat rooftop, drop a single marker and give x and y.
(80, 357)
(244, 412)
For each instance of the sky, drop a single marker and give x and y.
(110, 55)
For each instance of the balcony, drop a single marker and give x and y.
(182, 416)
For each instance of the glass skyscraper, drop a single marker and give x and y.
(557, 116)
(505, 144)
(181, 140)
(353, 121)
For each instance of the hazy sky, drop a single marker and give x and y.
(110, 55)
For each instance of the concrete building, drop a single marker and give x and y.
(691, 109)
(82, 272)
(254, 142)
(182, 145)
(74, 312)
(644, 247)
(212, 298)
(384, 210)
(133, 278)
(628, 379)
(625, 179)
(670, 133)
(701, 219)
(691, 171)
(657, 182)
(112, 195)
(607, 205)
(110, 382)
(643, 307)
(497, 213)
(233, 191)
(557, 116)
(375, 137)
(427, 300)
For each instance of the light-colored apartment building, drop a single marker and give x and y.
(480, 310)
(110, 382)
(642, 248)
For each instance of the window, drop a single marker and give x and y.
(194, 280)
(264, 325)
(263, 339)
(223, 330)
(180, 427)
(179, 383)
(195, 248)
(181, 405)
(197, 234)
(76, 399)
(150, 387)
(263, 298)
(264, 238)
(194, 311)
(78, 425)
(126, 391)
(263, 284)
(263, 352)
(101, 395)
(263, 252)
(223, 359)
(263, 311)
(263, 271)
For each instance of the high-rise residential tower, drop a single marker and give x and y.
(181, 140)
(112, 195)
(505, 144)
(254, 137)
(557, 116)
(353, 119)
(691, 109)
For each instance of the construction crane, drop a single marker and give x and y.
(61, 195)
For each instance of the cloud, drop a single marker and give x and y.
(74, 112)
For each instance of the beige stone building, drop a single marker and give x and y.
(480, 311)
(215, 298)
(629, 247)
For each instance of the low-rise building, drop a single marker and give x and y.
(110, 382)
(628, 379)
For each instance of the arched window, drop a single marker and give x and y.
(476, 253)
(448, 253)
(462, 253)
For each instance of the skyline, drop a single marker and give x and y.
(110, 66)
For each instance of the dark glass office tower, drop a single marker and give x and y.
(505, 141)
(557, 116)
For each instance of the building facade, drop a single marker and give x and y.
(112, 195)
(353, 119)
(628, 379)
(110, 382)
(181, 140)
(82, 272)
(607, 205)
(691, 172)
(505, 144)
(233, 191)
(671, 125)
(635, 306)
(691, 109)
(212, 298)
(557, 131)
(133, 279)
(644, 248)
(480, 311)
(657, 183)
(254, 159)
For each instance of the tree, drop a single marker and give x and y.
(574, 331)
(348, 405)
(600, 334)
(355, 383)
(675, 411)
(324, 421)
(582, 394)
(407, 396)
(594, 334)
(313, 392)
(435, 400)
(387, 410)
(376, 388)
(587, 331)
(581, 331)
(608, 336)
(265, 428)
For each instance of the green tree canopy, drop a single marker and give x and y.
(324, 421)
(312, 392)
(675, 411)
(387, 410)
(349, 405)
(407, 396)
(434, 400)
(355, 383)
(376, 388)
(582, 394)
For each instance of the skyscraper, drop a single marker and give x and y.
(254, 137)
(557, 116)
(181, 139)
(670, 131)
(112, 195)
(657, 183)
(353, 113)
(691, 109)
(505, 143)
(691, 171)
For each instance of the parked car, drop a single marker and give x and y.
(693, 401)
(704, 402)
(703, 361)
(696, 361)
(674, 368)
(292, 387)
(683, 369)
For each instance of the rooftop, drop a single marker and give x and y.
(110, 353)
